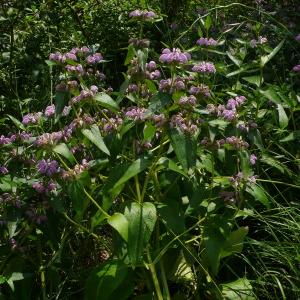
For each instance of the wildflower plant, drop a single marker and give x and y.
(159, 176)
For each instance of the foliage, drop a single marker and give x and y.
(180, 182)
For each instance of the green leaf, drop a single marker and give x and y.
(234, 243)
(271, 94)
(265, 59)
(184, 147)
(106, 280)
(119, 176)
(240, 289)
(208, 22)
(120, 223)
(135, 168)
(17, 122)
(259, 194)
(283, 118)
(151, 86)
(95, 137)
(172, 216)
(159, 101)
(141, 219)
(106, 101)
(269, 160)
(235, 60)
(257, 80)
(63, 150)
(78, 197)
(130, 54)
(149, 131)
(61, 100)
(213, 241)
(171, 165)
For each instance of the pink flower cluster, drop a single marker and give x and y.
(204, 67)
(185, 124)
(94, 58)
(42, 189)
(136, 113)
(240, 178)
(174, 56)
(188, 101)
(32, 118)
(201, 89)
(76, 171)
(260, 41)
(84, 95)
(142, 14)
(228, 112)
(48, 167)
(206, 42)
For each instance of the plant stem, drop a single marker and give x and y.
(154, 277)
(96, 204)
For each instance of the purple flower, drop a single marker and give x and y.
(3, 170)
(32, 118)
(39, 187)
(253, 159)
(66, 111)
(135, 14)
(296, 68)
(136, 113)
(204, 67)
(132, 88)
(297, 38)
(202, 89)
(146, 15)
(70, 56)
(50, 111)
(174, 56)
(48, 167)
(207, 42)
(151, 65)
(188, 101)
(24, 136)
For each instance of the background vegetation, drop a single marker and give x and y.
(193, 244)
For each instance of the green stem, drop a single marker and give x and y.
(81, 227)
(96, 204)
(154, 277)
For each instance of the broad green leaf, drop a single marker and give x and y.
(259, 194)
(269, 160)
(106, 280)
(271, 94)
(78, 197)
(95, 137)
(151, 86)
(234, 243)
(213, 241)
(181, 271)
(172, 216)
(159, 101)
(265, 59)
(130, 54)
(171, 165)
(292, 136)
(149, 131)
(119, 223)
(106, 101)
(61, 100)
(208, 22)
(241, 70)
(135, 168)
(235, 60)
(245, 163)
(283, 118)
(17, 122)
(240, 289)
(63, 150)
(141, 219)
(257, 80)
(119, 176)
(184, 147)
